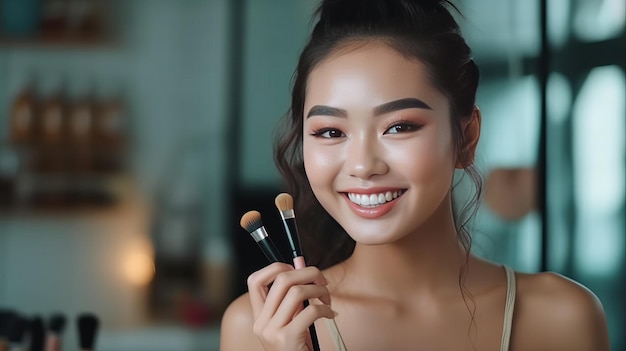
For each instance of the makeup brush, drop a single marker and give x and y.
(37, 334)
(284, 203)
(6, 318)
(56, 326)
(87, 329)
(17, 329)
(251, 221)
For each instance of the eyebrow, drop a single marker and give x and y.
(396, 105)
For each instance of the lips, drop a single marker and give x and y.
(373, 204)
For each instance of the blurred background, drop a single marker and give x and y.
(134, 134)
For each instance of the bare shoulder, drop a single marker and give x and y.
(553, 312)
(236, 327)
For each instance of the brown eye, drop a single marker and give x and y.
(402, 128)
(328, 133)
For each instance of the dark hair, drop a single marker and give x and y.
(417, 29)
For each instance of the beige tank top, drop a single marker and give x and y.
(506, 330)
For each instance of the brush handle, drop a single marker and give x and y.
(292, 235)
(53, 343)
(313, 332)
(270, 250)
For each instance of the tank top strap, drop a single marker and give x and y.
(335, 335)
(508, 308)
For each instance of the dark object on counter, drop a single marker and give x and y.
(17, 329)
(37, 334)
(57, 323)
(87, 329)
(56, 327)
(6, 318)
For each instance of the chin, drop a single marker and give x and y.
(374, 234)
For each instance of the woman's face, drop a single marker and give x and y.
(377, 144)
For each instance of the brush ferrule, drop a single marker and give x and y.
(287, 214)
(259, 234)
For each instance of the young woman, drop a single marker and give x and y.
(383, 113)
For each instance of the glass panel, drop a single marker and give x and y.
(559, 107)
(596, 20)
(559, 22)
(600, 171)
(508, 150)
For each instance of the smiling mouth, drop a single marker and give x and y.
(374, 200)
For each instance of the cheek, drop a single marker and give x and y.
(319, 163)
(427, 159)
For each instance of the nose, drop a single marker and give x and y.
(364, 159)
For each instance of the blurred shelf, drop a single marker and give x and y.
(68, 42)
(119, 196)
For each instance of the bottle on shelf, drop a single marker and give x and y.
(110, 127)
(80, 126)
(53, 126)
(23, 115)
(54, 18)
(53, 116)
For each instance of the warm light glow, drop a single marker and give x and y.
(138, 266)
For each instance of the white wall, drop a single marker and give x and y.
(275, 32)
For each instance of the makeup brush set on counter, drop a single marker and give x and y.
(19, 332)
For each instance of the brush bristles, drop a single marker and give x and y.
(251, 221)
(37, 334)
(284, 202)
(57, 324)
(17, 329)
(87, 329)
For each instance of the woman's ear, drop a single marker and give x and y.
(471, 134)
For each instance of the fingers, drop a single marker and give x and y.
(259, 281)
(279, 316)
(309, 315)
(286, 280)
(292, 303)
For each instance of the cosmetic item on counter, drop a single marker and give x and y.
(56, 326)
(17, 331)
(6, 319)
(37, 334)
(88, 325)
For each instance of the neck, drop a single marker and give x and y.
(427, 261)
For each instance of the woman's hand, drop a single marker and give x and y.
(280, 322)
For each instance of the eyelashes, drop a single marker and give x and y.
(402, 126)
(396, 127)
(327, 133)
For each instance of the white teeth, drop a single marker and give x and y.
(365, 200)
(373, 199)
